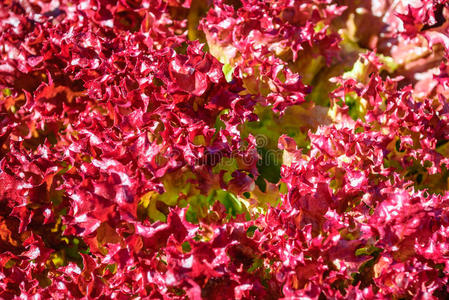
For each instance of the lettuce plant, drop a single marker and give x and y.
(224, 149)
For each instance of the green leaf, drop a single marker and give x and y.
(228, 70)
(7, 92)
(369, 250)
(231, 202)
(251, 230)
(228, 164)
(186, 247)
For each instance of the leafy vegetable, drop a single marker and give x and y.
(224, 149)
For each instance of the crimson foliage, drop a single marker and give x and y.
(224, 149)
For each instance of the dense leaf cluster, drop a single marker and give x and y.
(224, 149)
